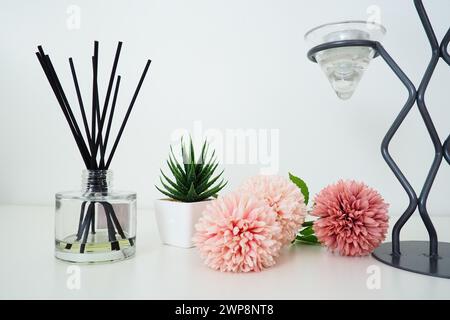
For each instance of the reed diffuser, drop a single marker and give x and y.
(97, 223)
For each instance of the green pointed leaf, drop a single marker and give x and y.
(191, 174)
(173, 167)
(306, 242)
(207, 173)
(213, 191)
(209, 163)
(205, 147)
(192, 152)
(201, 160)
(171, 190)
(176, 163)
(192, 194)
(302, 185)
(180, 180)
(307, 231)
(205, 178)
(170, 195)
(206, 185)
(310, 238)
(180, 188)
(185, 157)
(179, 176)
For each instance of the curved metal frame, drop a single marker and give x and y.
(446, 57)
(440, 150)
(340, 44)
(430, 127)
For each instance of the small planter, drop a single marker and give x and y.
(176, 221)
(192, 184)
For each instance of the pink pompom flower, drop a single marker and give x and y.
(238, 233)
(283, 196)
(352, 220)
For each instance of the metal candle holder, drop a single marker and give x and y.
(426, 257)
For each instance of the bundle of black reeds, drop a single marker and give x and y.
(93, 149)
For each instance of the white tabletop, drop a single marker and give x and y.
(28, 269)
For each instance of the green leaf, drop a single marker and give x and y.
(205, 178)
(207, 167)
(171, 190)
(203, 153)
(302, 185)
(185, 156)
(192, 194)
(180, 181)
(309, 243)
(179, 176)
(176, 163)
(207, 173)
(191, 174)
(201, 160)
(308, 224)
(307, 231)
(311, 238)
(178, 187)
(170, 195)
(208, 183)
(192, 153)
(213, 191)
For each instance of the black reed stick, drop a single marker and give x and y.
(61, 103)
(84, 225)
(93, 223)
(108, 94)
(112, 234)
(94, 99)
(88, 219)
(80, 102)
(80, 222)
(111, 155)
(63, 96)
(108, 128)
(108, 206)
(97, 110)
(68, 109)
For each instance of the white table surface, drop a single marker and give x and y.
(28, 269)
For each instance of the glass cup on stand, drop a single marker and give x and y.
(344, 66)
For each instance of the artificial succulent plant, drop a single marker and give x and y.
(193, 180)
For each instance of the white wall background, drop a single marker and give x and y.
(229, 64)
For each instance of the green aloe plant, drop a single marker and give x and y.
(193, 180)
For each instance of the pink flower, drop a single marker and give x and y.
(238, 233)
(284, 197)
(352, 218)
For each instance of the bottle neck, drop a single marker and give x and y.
(97, 180)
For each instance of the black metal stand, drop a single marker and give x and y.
(425, 257)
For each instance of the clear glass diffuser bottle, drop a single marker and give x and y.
(95, 224)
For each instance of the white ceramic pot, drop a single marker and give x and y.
(176, 221)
